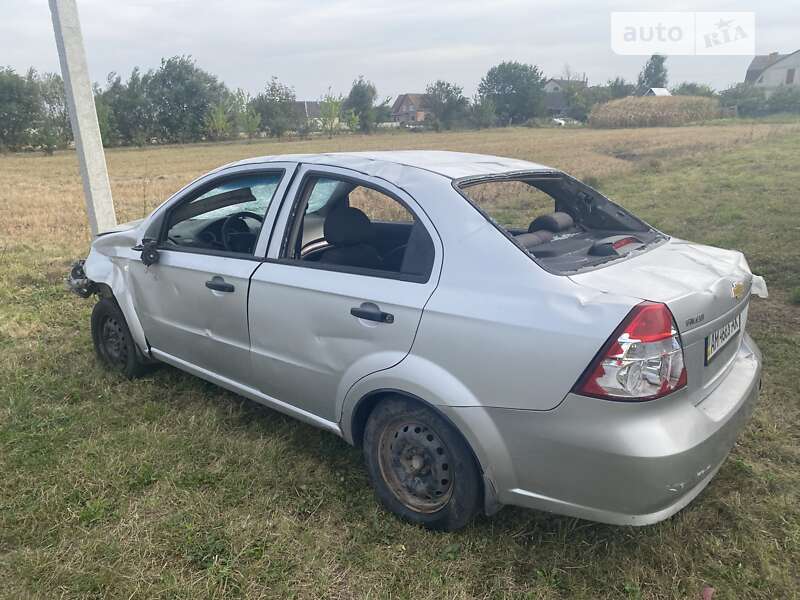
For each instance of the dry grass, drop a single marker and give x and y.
(654, 111)
(170, 487)
(41, 198)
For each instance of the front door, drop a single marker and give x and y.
(332, 306)
(193, 302)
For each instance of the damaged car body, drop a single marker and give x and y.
(489, 331)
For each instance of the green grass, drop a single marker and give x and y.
(170, 487)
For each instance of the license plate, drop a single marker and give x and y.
(718, 339)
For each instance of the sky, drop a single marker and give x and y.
(401, 45)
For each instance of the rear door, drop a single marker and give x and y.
(316, 328)
(192, 303)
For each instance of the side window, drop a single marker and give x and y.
(346, 226)
(379, 207)
(226, 218)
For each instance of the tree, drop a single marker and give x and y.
(749, 100)
(382, 112)
(330, 113)
(579, 101)
(653, 74)
(785, 99)
(245, 118)
(105, 119)
(181, 95)
(54, 130)
(446, 103)
(619, 88)
(361, 101)
(516, 89)
(131, 118)
(20, 108)
(350, 119)
(275, 106)
(249, 122)
(482, 113)
(688, 88)
(218, 121)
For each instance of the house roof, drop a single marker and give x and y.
(761, 63)
(567, 82)
(418, 100)
(309, 109)
(397, 166)
(658, 92)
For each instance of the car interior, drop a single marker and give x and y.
(359, 228)
(564, 224)
(227, 218)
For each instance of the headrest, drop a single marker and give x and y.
(529, 240)
(555, 222)
(347, 226)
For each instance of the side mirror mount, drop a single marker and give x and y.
(149, 250)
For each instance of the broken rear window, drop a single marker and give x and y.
(565, 225)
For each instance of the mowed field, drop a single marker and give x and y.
(169, 487)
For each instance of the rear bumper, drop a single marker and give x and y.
(613, 462)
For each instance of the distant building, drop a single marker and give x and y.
(410, 108)
(554, 85)
(657, 92)
(555, 97)
(771, 71)
(308, 111)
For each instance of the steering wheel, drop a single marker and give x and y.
(235, 224)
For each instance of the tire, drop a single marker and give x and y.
(420, 467)
(113, 342)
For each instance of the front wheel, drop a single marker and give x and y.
(113, 342)
(420, 466)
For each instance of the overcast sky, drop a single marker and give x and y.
(400, 45)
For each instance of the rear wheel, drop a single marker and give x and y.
(420, 466)
(113, 342)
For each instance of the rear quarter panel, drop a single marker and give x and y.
(499, 331)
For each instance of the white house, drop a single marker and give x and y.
(657, 92)
(771, 71)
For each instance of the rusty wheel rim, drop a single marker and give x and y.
(415, 463)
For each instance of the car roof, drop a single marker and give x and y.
(392, 165)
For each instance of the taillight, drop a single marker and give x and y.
(642, 360)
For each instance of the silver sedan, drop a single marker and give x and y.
(489, 331)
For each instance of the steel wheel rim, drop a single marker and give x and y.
(415, 463)
(112, 336)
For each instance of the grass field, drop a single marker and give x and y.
(169, 487)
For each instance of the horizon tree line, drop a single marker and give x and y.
(179, 102)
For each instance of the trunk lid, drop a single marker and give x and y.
(704, 287)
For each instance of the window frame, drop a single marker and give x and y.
(295, 197)
(208, 183)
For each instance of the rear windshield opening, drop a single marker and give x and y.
(563, 224)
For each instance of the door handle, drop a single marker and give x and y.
(218, 284)
(371, 312)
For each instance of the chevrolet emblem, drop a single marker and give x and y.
(738, 289)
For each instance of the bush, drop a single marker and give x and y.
(784, 100)
(653, 111)
(749, 100)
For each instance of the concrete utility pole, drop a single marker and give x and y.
(83, 115)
